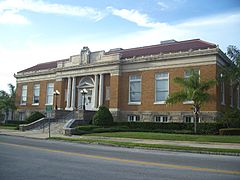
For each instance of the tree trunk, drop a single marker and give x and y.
(195, 124)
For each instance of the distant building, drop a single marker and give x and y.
(133, 83)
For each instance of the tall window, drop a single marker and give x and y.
(161, 87)
(187, 74)
(107, 97)
(36, 93)
(238, 95)
(49, 95)
(135, 89)
(222, 93)
(24, 95)
(231, 94)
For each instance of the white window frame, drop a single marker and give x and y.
(36, 87)
(238, 95)
(191, 120)
(134, 78)
(161, 119)
(133, 118)
(23, 96)
(222, 92)
(231, 94)
(107, 96)
(187, 76)
(159, 79)
(49, 94)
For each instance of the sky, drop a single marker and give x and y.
(38, 31)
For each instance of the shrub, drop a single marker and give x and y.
(103, 117)
(231, 118)
(34, 116)
(202, 128)
(229, 131)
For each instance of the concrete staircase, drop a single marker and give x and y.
(63, 123)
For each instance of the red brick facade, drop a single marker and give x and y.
(107, 81)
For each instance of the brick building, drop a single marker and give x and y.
(133, 83)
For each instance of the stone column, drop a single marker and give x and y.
(68, 93)
(73, 93)
(96, 91)
(101, 89)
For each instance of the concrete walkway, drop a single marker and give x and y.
(43, 135)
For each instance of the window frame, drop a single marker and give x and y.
(161, 119)
(161, 79)
(222, 92)
(188, 76)
(23, 90)
(133, 118)
(238, 97)
(35, 85)
(231, 94)
(129, 90)
(49, 95)
(191, 120)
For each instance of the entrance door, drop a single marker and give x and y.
(89, 100)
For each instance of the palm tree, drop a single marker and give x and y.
(194, 90)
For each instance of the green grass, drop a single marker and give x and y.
(11, 127)
(155, 146)
(175, 137)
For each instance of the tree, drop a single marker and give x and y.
(7, 100)
(194, 90)
(232, 71)
(103, 117)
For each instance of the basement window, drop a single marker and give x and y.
(133, 118)
(161, 119)
(188, 119)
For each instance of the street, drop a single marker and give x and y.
(25, 158)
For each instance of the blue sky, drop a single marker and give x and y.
(33, 32)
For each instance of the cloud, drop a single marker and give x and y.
(163, 6)
(48, 8)
(12, 17)
(134, 16)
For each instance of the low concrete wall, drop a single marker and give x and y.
(35, 124)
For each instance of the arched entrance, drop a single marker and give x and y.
(88, 84)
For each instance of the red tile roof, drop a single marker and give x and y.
(176, 46)
(42, 66)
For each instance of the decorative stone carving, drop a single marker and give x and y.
(85, 55)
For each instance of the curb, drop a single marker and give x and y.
(149, 148)
(133, 147)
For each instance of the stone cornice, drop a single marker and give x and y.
(116, 66)
(171, 56)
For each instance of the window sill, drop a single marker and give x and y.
(23, 104)
(134, 103)
(223, 104)
(35, 104)
(160, 102)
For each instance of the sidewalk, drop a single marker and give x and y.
(44, 135)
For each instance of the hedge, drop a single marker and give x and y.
(186, 128)
(202, 128)
(229, 131)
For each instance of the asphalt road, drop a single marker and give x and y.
(24, 158)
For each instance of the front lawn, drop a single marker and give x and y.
(174, 137)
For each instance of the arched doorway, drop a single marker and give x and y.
(88, 84)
